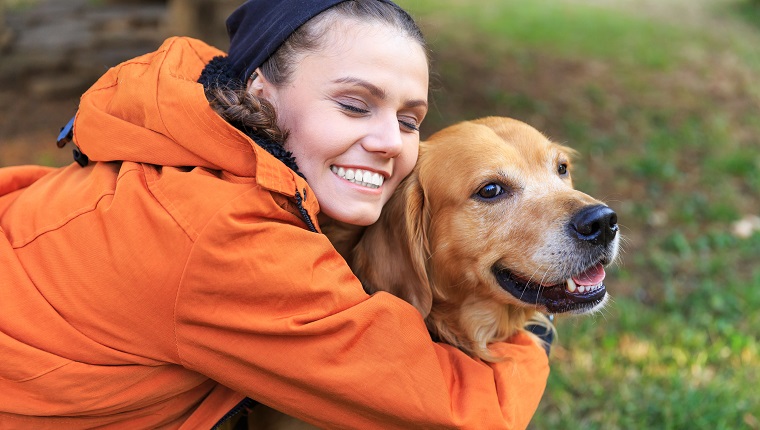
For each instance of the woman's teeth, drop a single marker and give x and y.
(364, 178)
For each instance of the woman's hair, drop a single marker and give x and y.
(256, 116)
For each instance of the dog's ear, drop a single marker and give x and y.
(417, 220)
(391, 255)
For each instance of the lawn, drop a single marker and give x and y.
(662, 99)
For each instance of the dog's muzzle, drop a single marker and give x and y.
(594, 230)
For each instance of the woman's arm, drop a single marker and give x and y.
(272, 311)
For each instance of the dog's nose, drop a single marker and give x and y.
(596, 224)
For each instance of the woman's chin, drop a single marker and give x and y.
(359, 216)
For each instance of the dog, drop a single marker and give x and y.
(485, 235)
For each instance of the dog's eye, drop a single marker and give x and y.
(562, 169)
(490, 191)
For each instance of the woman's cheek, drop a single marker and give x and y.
(410, 159)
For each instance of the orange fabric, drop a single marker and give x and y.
(149, 294)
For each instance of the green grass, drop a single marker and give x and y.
(17, 4)
(691, 362)
(667, 121)
(748, 10)
(565, 29)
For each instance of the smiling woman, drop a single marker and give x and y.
(343, 112)
(176, 274)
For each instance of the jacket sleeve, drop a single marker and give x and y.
(272, 311)
(14, 178)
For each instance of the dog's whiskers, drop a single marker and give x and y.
(540, 283)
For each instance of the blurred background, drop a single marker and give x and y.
(661, 98)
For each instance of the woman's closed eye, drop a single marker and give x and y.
(353, 108)
(409, 123)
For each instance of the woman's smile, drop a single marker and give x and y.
(362, 177)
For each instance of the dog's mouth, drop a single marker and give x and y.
(580, 293)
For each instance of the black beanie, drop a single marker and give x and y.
(259, 27)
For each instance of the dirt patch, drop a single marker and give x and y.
(29, 127)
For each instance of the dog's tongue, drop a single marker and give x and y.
(592, 276)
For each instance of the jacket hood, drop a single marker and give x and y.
(151, 109)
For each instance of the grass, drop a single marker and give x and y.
(749, 10)
(17, 4)
(566, 29)
(665, 116)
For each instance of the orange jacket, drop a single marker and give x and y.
(173, 276)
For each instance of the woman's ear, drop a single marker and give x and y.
(256, 84)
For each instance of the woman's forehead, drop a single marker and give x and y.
(344, 32)
(352, 44)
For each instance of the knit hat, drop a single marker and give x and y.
(259, 27)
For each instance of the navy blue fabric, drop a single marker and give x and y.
(259, 27)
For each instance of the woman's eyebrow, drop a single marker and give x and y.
(375, 90)
(415, 103)
(372, 88)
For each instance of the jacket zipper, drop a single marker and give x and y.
(304, 213)
(245, 403)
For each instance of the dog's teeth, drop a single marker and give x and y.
(571, 285)
(350, 175)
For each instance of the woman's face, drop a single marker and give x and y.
(352, 110)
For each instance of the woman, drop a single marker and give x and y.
(175, 275)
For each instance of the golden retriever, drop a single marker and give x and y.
(486, 233)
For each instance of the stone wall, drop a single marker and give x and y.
(58, 48)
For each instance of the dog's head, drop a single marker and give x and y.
(488, 230)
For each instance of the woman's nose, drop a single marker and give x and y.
(385, 138)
